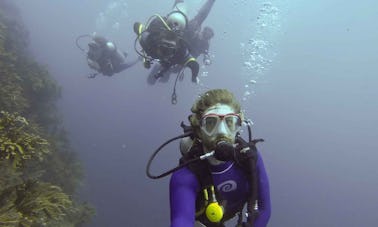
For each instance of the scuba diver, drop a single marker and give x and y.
(197, 40)
(104, 57)
(219, 172)
(197, 37)
(162, 39)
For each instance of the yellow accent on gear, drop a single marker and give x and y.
(140, 29)
(189, 60)
(205, 194)
(214, 212)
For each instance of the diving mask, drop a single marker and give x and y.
(166, 49)
(210, 123)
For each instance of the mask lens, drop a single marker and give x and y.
(166, 50)
(232, 122)
(210, 123)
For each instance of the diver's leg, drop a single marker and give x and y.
(94, 65)
(194, 67)
(161, 72)
(151, 75)
(126, 65)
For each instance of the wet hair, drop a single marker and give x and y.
(209, 99)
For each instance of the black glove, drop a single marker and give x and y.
(206, 60)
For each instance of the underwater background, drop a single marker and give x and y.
(305, 72)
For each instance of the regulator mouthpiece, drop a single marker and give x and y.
(224, 151)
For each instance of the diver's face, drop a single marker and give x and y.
(219, 123)
(166, 49)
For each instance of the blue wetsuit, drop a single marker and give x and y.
(232, 184)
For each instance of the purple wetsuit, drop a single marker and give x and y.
(232, 184)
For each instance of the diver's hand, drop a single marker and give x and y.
(207, 61)
(195, 80)
(177, 2)
(147, 63)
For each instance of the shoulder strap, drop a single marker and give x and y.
(247, 159)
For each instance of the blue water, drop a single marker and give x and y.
(305, 72)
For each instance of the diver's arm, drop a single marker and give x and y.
(127, 65)
(177, 2)
(203, 12)
(182, 191)
(264, 195)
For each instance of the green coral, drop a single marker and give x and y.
(64, 170)
(33, 203)
(26, 87)
(9, 176)
(11, 91)
(39, 171)
(18, 142)
(9, 215)
(42, 203)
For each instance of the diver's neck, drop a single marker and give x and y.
(213, 161)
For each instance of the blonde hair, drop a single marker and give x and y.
(209, 99)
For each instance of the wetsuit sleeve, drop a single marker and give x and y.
(183, 190)
(126, 65)
(202, 13)
(264, 195)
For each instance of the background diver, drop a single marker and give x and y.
(162, 39)
(104, 57)
(196, 38)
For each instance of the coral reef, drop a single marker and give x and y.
(40, 172)
(17, 143)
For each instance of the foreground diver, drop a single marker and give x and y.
(104, 57)
(162, 39)
(219, 171)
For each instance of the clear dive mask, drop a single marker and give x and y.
(166, 49)
(210, 123)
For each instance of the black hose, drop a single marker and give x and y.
(249, 130)
(142, 54)
(157, 151)
(174, 95)
(77, 41)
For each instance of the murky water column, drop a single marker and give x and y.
(108, 21)
(258, 52)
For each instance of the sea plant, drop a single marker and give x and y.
(39, 171)
(19, 141)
